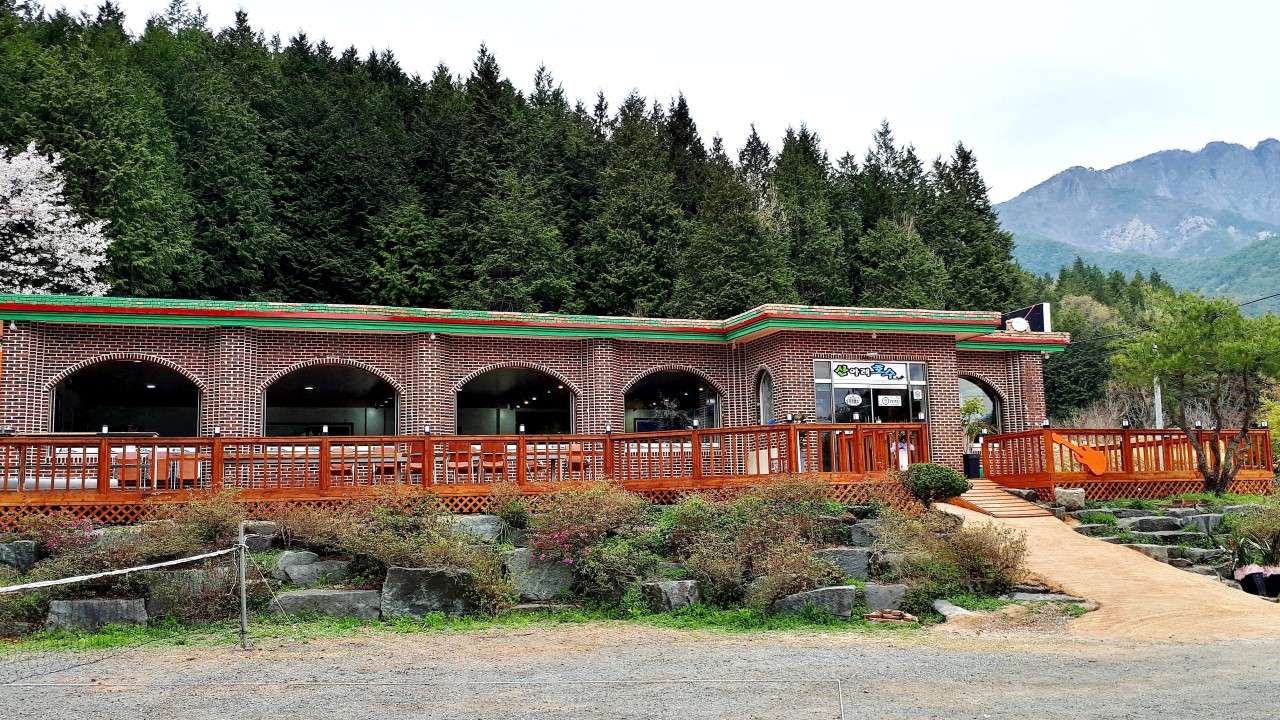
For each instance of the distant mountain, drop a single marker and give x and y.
(1171, 204)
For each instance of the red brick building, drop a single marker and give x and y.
(182, 368)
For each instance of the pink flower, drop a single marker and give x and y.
(543, 556)
(569, 560)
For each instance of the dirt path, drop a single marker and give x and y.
(1139, 598)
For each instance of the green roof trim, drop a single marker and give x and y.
(1011, 345)
(318, 316)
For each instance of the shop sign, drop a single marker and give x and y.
(889, 400)
(869, 373)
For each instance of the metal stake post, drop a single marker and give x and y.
(244, 594)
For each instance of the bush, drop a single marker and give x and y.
(931, 483)
(574, 519)
(990, 555)
(215, 521)
(785, 570)
(714, 562)
(57, 531)
(506, 502)
(940, 549)
(318, 529)
(607, 569)
(1255, 536)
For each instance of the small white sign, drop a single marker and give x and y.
(889, 400)
(853, 399)
(917, 393)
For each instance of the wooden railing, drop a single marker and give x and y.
(1139, 463)
(65, 470)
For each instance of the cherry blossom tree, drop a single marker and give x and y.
(45, 246)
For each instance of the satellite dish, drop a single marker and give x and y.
(1019, 325)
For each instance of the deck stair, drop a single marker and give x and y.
(989, 498)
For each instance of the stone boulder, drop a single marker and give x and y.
(289, 558)
(167, 589)
(1095, 530)
(667, 595)
(1155, 552)
(839, 600)
(94, 614)
(358, 604)
(258, 543)
(883, 597)
(1059, 512)
(482, 528)
(261, 527)
(1041, 597)
(852, 561)
(1239, 509)
(1205, 523)
(864, 533)
(20, 554)
(1183, 512)
(1028, 494)
(417, 592)
(1203, 555)
(1069, 498)
(1092, 511)
(1168, 536)
(1153, 523)
(326, 571)
(537, 579)
(1133, 513)
(949, 610)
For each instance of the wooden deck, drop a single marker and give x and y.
(116, 479)
(1139, 463)
(990, 499)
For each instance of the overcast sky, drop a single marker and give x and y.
(1032, 87)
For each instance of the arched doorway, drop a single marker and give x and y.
(504, 400)
(348, 400)
(671, 400)
(976, 393)
(127, 395)
(764, 397)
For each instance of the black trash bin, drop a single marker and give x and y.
(972, 465)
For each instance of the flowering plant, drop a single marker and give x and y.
(57, 531)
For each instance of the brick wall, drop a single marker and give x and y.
(234, 366)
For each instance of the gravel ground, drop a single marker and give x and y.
(1011, 667)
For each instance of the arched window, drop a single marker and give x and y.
(347, 400)
(979, 392)
(671, 400)
(127, 395)
(764, 395)
(502, 400)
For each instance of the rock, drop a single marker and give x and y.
(1028, 494)
(536, 579)
(667, 595)
(1059, 512)
(18, 554)
(261, 527)
(1232, 584)
(1092, 511)
(839, 600)
(258, 543)
(1169, 537)
(1155, 552)
(482, 528)
(1239, 509)
(889, 561)
(11, 629)
(1031, 588)
(93, 614)
(1202, 570)
(358, 604)
(1114, 540)
(537, 607)
(1133, 513)
(519, 537)
(1182, 512)
(1180, 562)
(1042, 597)
(864, 533)
(670, 567)
(1205, 523)
(1202, 555)
(949, 611)
(852, 561)
(417, 592)
(863, 512)
(883, 597)
(1155, 523)
(1093, 530)
(167, 589)
(327, 571)
(1069, 498)
(289, 558)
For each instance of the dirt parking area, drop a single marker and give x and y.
(1006, 667)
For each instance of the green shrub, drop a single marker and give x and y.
(56, 532)
(1098, 519)
(572, 520)
(506, 502)
(991, 556)
(1255, 536)
(931, 483)
(313, 528)
(713, 561)
(215, 520)
(607, 569)
(940, 549)
(785, 570)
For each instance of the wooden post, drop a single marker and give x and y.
(1126, 453)
(695, 455)
(428, 457)
(608, 456)
(104, 467)
(522, 458)
(215, 465)
(325, 470)
(793, 448)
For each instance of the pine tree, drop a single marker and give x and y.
(898, 270)
(409, 269)
(45, 247)
(817, 250)
(686, 156)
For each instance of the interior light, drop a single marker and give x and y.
(535, 397)
(526, 402)
(308, 388)
(559, 387)
(151, 386)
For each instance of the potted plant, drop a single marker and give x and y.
(973, 415)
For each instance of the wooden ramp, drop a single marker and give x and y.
(988, 498)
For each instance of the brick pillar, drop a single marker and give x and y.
(232, 401)
(946, 434)
(601, 402)
(19, 380)
(426, 399)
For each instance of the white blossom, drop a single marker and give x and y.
(45, 247)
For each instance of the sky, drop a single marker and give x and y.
(1032, 87)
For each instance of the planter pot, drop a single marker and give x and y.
(972, 465)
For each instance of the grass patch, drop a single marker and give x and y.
(1214, 501)
(1097, 519)
(983, 603)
